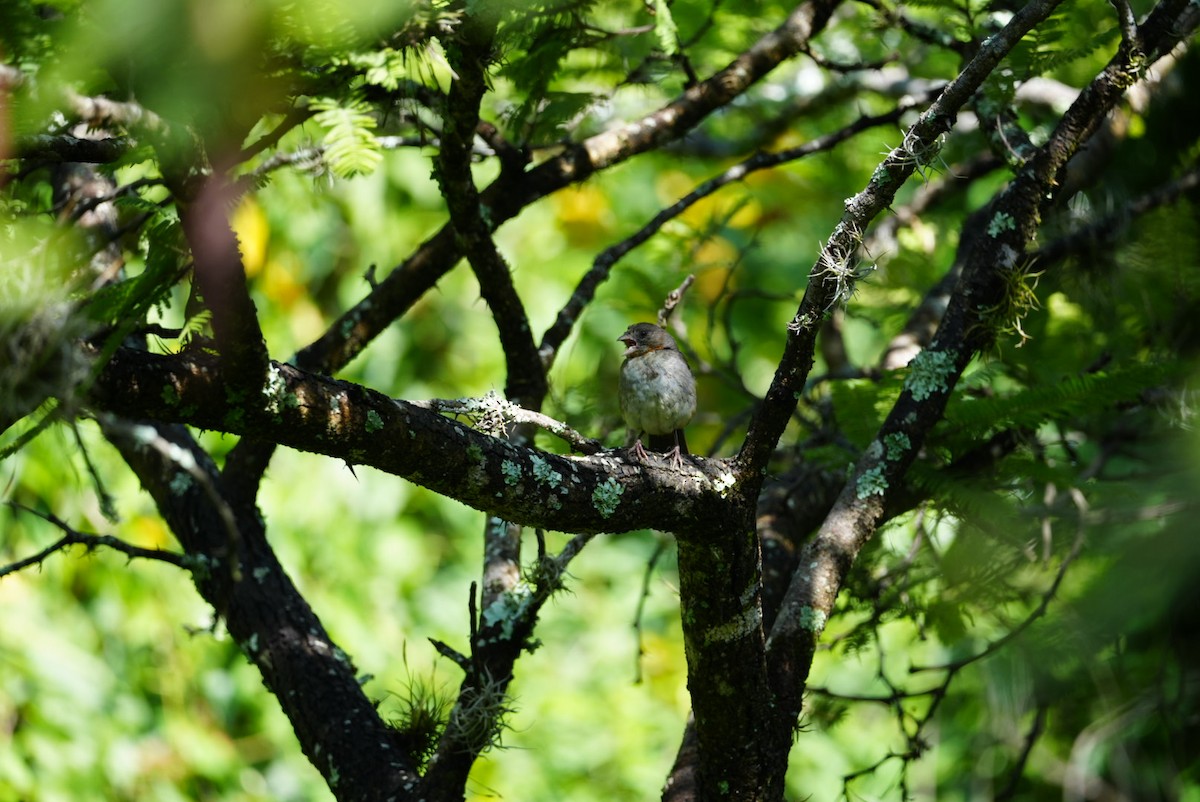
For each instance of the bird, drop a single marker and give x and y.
(657, 391)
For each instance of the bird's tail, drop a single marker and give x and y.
(663, 443)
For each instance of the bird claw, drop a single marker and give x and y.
(638, 451)
(674, 456)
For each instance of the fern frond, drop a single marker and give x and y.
(861, 405)
(973, 418)
(351, 147)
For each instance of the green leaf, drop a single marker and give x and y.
(350, 145)
(128, 301)
(664, 28)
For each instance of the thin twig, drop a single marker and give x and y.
(673, 299)
(659, 549)
(1017, 631)
(1035, 731)
(144, 435)
(72, 537)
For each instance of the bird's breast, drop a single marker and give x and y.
(657, 392)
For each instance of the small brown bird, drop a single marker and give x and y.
(658, 391)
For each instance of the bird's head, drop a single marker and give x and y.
(642, 337)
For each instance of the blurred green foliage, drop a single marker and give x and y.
(115, 682)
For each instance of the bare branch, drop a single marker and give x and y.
(673, 299)
(1009, 791)
(72, 537)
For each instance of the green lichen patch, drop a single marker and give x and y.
(872, 482)
(812, 619)
(545, 473)
(929, 373)
(1000, 223)
(607, 496)
(896, 445)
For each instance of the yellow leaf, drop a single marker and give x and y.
(584, 214)
(279, 282)
(250, 225)
(149, 532)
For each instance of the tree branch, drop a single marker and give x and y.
(221, 280)
(1008, 223)
(601, 493)
(313, 680)
(526, 382)
(832, 276)
(493, 415)
(557, 334)
(72, 536)
(68, 148)
(506, 196)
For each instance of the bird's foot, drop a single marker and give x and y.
(676, 458)
(638, 451)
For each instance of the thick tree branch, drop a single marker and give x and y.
(221, 280)
(314, 681)
(526, 382)
(309, 412)
(720, 588)
(67, 148)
